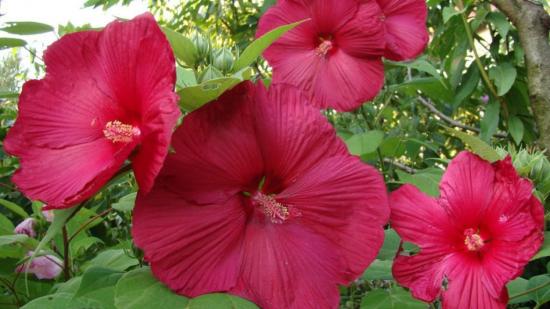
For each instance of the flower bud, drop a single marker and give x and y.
(201, 44)
(43, 267)
(223, 60)
(26, 227)
(48, 215)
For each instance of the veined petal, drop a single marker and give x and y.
(193, 249)
(406, 31)
(345, 201)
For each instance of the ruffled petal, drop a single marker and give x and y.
(420, 219)
(466, 188)
(64, 177)
(287, 266)
(345, 201)
(216, 152)
(406, 31)
(363, 36)
(293, 135)
(192, 249)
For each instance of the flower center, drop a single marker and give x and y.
(118, 132)
(473, 240)
(324, 47)
(275, 211)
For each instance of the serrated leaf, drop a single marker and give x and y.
(504, 75)
(478, 146)
(194, 97)
(138, 289)
(183, 47)
(256, 48)
(26, 28)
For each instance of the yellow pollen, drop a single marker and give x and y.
(118, 132)
(323, 48)
(473, 240)
(272, 209)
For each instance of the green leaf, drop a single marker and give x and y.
(16, 245)
(516, 129)
(62, 301)
(16, 209)
(501, 23)
(489, 123)
(115, 259)
(11, 42)
(395, 298)
(517, 286)
(6, 227)
(7, 94)
(390, 246)
(379, 270)
(478, 146)
(183, 47)
(449, 12)
(138, 289)
(196, 96)
(26, 28)
(430, 86)
(126, 203)
(256, 48)
(419, 65)
(185, 77)
(541, 295)
(98, 284)
(544, 250)
(504, 75)
(393, 147)
(426, 180)
(365, 143)
(219, 301)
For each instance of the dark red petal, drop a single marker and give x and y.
(287, 266)
(406, 31)
(345, 201)
(363, 36)
(216, 150)
(293, 135)
(420, 219)
(192, 249)
(466, 188)
(345, 82)
(467, 287)
(64, 177)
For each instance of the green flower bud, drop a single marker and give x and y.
(223, 60)
(202, 45)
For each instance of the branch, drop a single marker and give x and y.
(451, 121)
(533, 24)
(401, 166)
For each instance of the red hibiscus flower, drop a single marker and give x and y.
(335, 57)
(106, 95)
(261, 200)
(475, 238)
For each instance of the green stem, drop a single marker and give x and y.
(66, 258)
(477, 59)
(530, 290)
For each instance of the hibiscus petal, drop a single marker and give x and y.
(64, 177)
(419, 219)
(330, 15)
(466, 188)
(467, 287)
(216, 150)
(363, 36)
(346, 201)
(287, 266)
(406, 31)
(192, 249)
(293, 135)
(345, 82)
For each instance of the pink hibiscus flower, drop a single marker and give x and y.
(43, 267)
(106, 95)
(335, 57)
(476, 237)
(261, 200)
(26, 227)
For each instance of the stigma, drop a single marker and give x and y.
(472, 240)
(324, 47)
(275, 211)
(118, 132)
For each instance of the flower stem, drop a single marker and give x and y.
(90, 221)
(531, 290)
(66, 258)
(477, 59)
